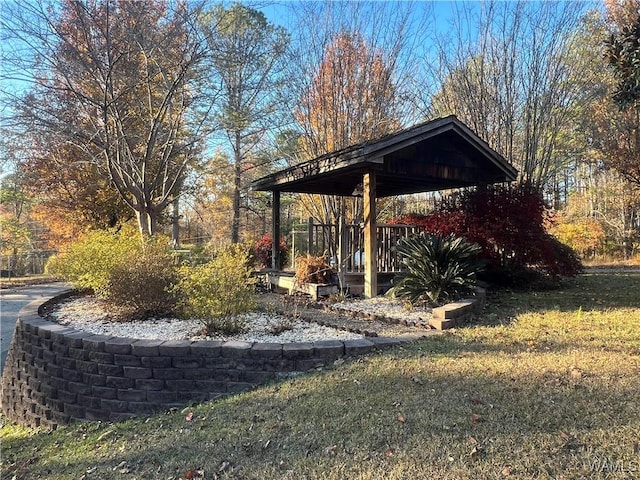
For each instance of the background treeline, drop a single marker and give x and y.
(162, 113)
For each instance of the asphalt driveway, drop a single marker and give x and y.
(12, 300)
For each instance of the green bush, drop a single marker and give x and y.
(141, 284)
(132, 275)
(439, 268)
(88, 263)
(218, 292)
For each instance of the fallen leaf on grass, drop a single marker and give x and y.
(401, 419)
(474, 419)
(506, 471)
(193, 474)
(476, 448)
(570, 442)
(331, 450)
(475, 451)
(576, 374)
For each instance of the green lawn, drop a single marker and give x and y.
(14, 282)
(546, 385)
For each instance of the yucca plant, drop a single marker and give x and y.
(438, 268)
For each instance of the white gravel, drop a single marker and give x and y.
(88, 314)
(388, 307)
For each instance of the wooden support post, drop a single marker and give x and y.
(370, 239)
(275, 231)
(342, 243)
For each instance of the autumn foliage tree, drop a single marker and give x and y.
(585, 235)
(603, 142)
(71, 200)
(113, 79)
(352, 98)
(623, 51)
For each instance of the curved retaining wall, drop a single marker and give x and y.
(54, 375)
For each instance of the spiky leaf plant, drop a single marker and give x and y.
(438, 268)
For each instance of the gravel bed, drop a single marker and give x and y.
(384, 307)
(351, 319)
(89, 314)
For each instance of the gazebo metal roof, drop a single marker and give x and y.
(436, 155)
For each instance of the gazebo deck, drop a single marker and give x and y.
(353, 283)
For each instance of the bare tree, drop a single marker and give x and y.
(505, 73)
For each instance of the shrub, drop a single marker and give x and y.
(560, 259)
(509, 224)
(438, 268)
(88, 263)
(132, 275)
(141, 283)
(262, 251)
(218, 292)
(586, 235)
(312, 269)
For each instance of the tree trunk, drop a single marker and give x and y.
(175, 223)
(235, 222)
(146, 222)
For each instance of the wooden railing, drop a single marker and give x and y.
(346, 245)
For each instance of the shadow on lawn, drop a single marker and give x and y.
(597, 313)
(349, 418)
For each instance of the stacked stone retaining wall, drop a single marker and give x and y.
(55, 375)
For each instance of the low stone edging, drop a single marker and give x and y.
(457, 313)
(55, 375)
(451, 315)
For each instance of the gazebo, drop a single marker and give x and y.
(437, 155)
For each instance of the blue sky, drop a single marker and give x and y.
(441, 14)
